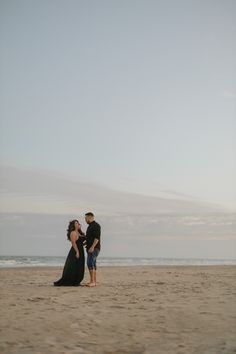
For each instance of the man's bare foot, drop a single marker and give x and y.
(91, 284)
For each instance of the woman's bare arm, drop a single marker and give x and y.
(73, 239)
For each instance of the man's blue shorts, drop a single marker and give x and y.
(92, 258)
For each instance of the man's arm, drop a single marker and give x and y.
(93, 245)
(96, 239)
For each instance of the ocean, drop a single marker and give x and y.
(32, 261)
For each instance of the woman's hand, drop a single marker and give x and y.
(77, 255)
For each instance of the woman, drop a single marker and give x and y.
(73, 272)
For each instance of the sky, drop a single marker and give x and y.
(126, 108)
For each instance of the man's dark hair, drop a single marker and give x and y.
(89, 214)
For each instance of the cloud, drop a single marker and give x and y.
(36, 207)
(45, 192)
(45, 234)
(178, 194)
(229, 94)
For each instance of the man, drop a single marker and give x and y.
(93, 245)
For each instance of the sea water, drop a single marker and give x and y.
(31, 261)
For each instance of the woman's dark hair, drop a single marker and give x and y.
(71, 227)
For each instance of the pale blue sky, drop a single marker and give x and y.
(137, 96)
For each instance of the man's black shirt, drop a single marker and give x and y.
(93, 231)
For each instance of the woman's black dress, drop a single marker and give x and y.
(73, 271)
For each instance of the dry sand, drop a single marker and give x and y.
(146, 309)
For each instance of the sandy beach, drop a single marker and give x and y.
(146, 309)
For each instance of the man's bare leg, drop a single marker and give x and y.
(92, 277)
(95, 277)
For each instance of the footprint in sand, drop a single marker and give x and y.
(36, 298)
(74, 325)
(117, 306)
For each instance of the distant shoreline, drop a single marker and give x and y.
(54, 261)
(115, 267)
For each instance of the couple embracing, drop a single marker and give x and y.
(73, 271)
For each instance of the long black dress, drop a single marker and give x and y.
(73, 271)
